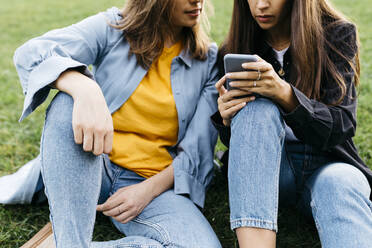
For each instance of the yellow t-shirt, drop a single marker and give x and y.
(148, 123)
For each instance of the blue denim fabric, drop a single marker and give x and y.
(93, 41)
(76, 180)
(265, 172)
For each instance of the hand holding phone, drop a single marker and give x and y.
(233, 63)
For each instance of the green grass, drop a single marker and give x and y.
(21, 20)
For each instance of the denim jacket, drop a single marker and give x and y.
(94, 42)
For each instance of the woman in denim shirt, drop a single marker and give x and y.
(134, 134)
(293, 146)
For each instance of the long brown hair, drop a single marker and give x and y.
(147, 24)
(311, 50)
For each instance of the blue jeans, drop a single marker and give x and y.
(266, 172)
(76, 180)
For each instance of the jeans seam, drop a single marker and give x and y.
(313, 206)
(278, 162)
(369, 203)
(290, 162)
(158, 228)
(298, 190)
(43, 173)
(115, 179)
(105, 167)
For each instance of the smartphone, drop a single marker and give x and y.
(233, 63)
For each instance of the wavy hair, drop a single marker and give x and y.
(148, 23)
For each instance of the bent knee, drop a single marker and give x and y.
(340, 179)
(59, 112)
(58, 122)
(262, 114)
(261, 108)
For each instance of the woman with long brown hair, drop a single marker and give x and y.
(133, 135)
(290, 130)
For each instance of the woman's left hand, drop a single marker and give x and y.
(128, 202)
(261, 78)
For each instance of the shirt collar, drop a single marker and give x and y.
(265, 50)
(185, 57)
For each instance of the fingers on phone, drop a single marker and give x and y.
(220, 85)
(232, 94)
(235, 102)
(233, 106)
(234, 109)
(261, 65)
(247, 75)
(259, 59)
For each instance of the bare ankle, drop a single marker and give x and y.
(255, 237)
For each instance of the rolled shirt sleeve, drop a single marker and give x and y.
(40, 61)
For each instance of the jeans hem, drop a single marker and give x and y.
(256, 223)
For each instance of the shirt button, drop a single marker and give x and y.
(281, 72)
(183, 120)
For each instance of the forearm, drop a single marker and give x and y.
(75, 83)
(161, 182)
(287, 99)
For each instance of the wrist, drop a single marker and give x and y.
(160, 182)
(287, 99)
(150, 188)
(226, 122)
(88, 91)
(286, 90)
(76, 84)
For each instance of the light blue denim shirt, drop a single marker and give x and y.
(93, 41)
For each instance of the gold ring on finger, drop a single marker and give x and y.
(254, 84)
(259, 75)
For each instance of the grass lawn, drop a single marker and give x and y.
(21, 20)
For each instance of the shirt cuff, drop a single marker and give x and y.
(302, 114)
(186, 184)
(223, 131)
(42, 76)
